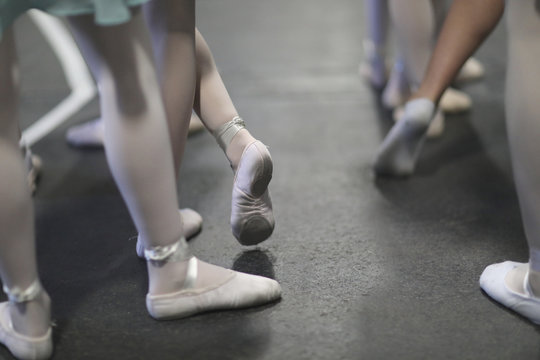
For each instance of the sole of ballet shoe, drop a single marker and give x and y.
(252, 220)
(237, 292)
(21, 346)
(196, 221)
(492, 281)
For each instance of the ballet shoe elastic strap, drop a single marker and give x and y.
(179, 251)
(17, 295)
(226, 132)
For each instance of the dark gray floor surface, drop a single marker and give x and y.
(370, 269)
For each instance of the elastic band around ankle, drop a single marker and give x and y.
(17, 295)
(226, 132)
(179, 251)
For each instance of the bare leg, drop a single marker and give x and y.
(467, 25)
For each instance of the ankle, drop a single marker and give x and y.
(165, 278)
(237, 145)
(32, 318)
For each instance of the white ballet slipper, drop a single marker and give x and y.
(192, 224)
(436, 127)
(22, 346)
(455, 101)
(88, 134)
(492, 281)
(252, 220)
(239, 290)
(471, 70)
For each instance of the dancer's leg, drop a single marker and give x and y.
(467, 25)
(415, 24)
(139, 153)
(172, 27)
(376, 18)
(517, 285)
(523, 119)
(17, 247)
(213, 103)
(252, 219)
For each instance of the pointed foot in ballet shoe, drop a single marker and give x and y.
(192, 222)
(252, 219)
(454, 101)
(470, 71)
(21, 346)
(87, 135)
(399, 150)
(238, 291)
(492, 281)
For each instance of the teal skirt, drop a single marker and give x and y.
(107, 12)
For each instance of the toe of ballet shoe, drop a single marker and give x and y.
(192, 222)
(492, 281)
(21, 346)
(252, 219)
(255, 230)
(240, 291)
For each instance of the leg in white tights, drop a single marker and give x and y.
(17, 248)
(523, 122)
(139, 152)
(376, 18)
(252, 219)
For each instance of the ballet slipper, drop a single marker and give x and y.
(454, 101)
(471, 70)
(21, 346)
(192, 224)
(88, 134)
(252, 219)
(435, 128)
(235, 290)
(400, 149)
(492, 281)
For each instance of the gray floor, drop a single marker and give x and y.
(370, 269)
